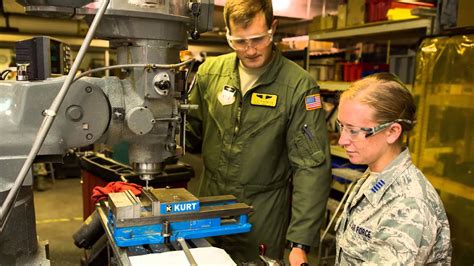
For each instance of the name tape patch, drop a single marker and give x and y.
(361, 231)
(263, 99)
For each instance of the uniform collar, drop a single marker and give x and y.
(273, 69)
(233, 69)
(377, 187)
(268, 77)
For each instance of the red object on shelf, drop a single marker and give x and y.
(352, 71)
(355, 71)
(347, 69)
(377, 9)
(410, 5)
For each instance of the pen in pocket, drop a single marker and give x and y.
(307, 132)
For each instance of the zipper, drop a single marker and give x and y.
(237, 120)
(238, 114)
(307, 132)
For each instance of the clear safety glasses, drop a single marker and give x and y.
(256, 41)
(361, 133)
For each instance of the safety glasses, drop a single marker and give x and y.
(255, 41)
(361, 133)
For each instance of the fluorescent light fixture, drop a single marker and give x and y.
(281, 5)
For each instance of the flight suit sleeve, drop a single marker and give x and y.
(308, 151)
(404, 235)
(195, 117)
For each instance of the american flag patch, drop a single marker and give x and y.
(312, 102)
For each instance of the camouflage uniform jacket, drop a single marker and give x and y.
(398, 219)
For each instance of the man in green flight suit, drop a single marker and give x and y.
(262, 131)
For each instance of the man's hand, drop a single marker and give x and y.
(297, 257)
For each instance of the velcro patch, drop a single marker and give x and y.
(263, 99)
(313, 102)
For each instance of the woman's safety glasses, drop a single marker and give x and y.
(360, 133)
(256, 41)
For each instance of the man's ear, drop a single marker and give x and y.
(274, 25)
(394, 132)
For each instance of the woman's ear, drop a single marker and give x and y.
(394, 132)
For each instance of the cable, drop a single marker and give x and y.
(146, 66)
(7, 205)
(185, 96)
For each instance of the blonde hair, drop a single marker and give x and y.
(242, 12)
(387, 95)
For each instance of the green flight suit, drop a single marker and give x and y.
(275, 159)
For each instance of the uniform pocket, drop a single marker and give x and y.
(308, 149)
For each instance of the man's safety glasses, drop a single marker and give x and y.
(360, 133)
(255, 41)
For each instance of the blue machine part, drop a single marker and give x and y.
(193, 229)
(151, 234)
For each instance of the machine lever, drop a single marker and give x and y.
(166, 232)
(195, 9)
(188, 254)
(262, 249)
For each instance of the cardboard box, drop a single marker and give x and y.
(465, 17)
(320, 46)
(355, 12)
(316, 24)
(329, 22)
(341, 16)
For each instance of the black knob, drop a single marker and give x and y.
(163, 85)
(195, 35)
(171, 147)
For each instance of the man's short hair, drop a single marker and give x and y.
(242, 12)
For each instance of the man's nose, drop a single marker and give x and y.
(250, 49)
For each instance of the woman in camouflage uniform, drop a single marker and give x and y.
(393, 215)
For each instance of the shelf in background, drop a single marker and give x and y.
(333, 85)
(460, 100)
(338, 151)
(71, 40)
(379, 30)
(340, 85)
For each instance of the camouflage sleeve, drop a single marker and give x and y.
(405, 233)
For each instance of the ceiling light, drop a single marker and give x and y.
(281, 5)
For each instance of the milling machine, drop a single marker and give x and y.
(147, 107)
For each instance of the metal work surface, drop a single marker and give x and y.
(173, 195)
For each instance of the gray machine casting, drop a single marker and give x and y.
(144, 108)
